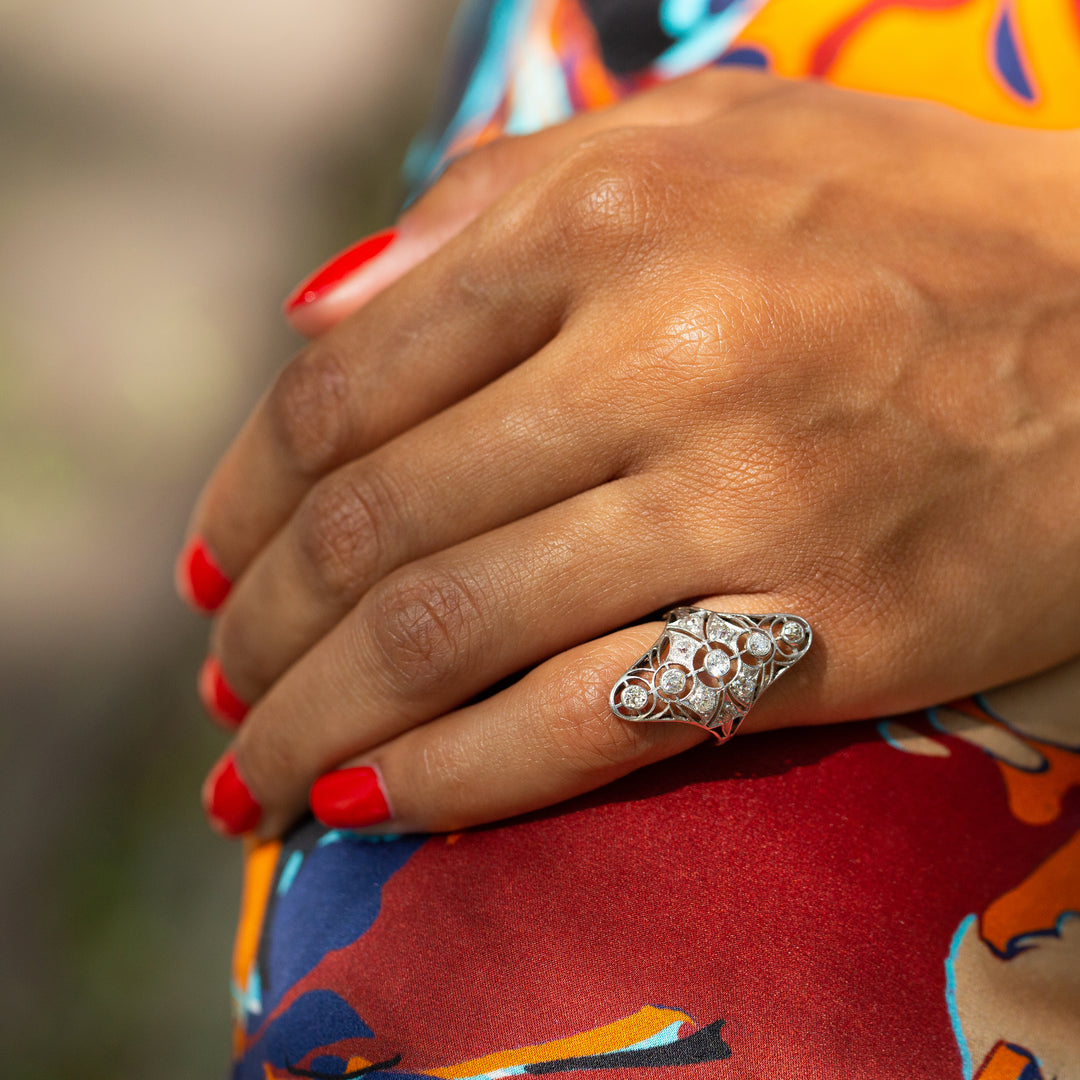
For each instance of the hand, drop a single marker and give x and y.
(803, 350)
(471, 184)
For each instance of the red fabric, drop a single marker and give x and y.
(803, 886)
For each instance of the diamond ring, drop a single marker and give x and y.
(709, 668)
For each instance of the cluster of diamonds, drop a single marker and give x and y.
(709, 667)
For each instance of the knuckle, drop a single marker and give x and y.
(684, 340)
(340, 526)
(423, 623)
(610, 191)
(725, 341)
(747, 321)
(309, 409)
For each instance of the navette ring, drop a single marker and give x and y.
(710, 667)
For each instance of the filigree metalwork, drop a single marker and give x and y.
(709, 667)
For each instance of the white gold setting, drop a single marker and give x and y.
(709, 668)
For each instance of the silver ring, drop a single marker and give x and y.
(710, 667)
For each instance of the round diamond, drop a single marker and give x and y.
(717, 663)
(758, 643)
(672, 681)
(792, 632)
(634, 697)
(703, 698)
(742, 686)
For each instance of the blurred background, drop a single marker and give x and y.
(167, 173)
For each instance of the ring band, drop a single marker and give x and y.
(710, 667)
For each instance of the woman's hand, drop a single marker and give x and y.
(472, 183)
(797, 349)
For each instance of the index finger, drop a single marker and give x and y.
(487, 301)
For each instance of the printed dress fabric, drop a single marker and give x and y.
(891, 900)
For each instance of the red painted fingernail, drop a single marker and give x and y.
(228, 803)
(350, 798)
(199, 578)
(339, 267)
(218, 696)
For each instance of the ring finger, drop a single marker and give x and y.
(547, 738)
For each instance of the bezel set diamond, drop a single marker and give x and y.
(673, 681)
(717, 663)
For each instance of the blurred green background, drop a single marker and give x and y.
(167, 173)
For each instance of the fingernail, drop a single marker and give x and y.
(199, 578)
(218, 696)
(228, 803)
(350, 798)
(339, 267)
